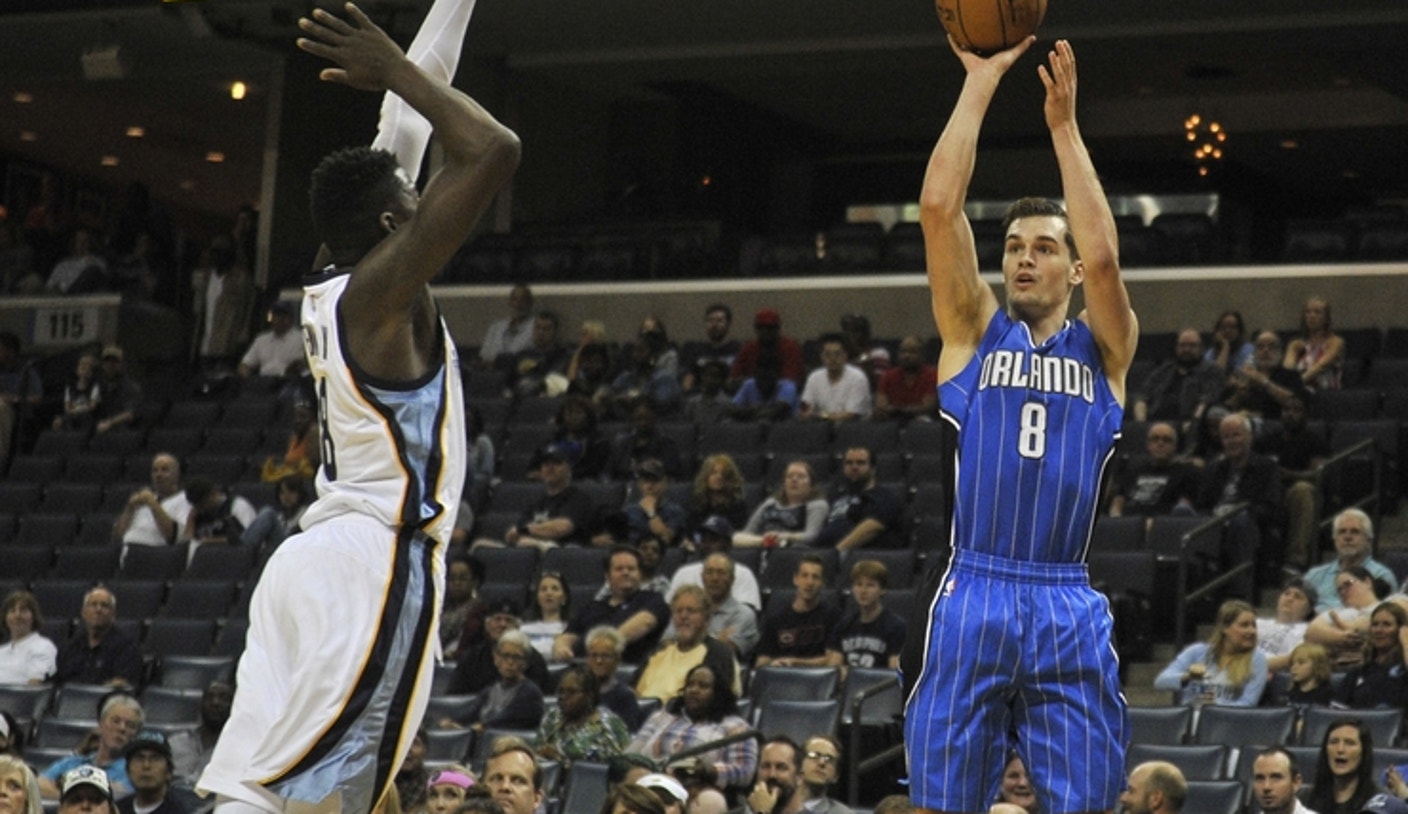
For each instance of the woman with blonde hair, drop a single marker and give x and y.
(718, 489)
(1318, 353)
(1310, 677)
(447, 788)
(1228, 669)
(19, 787)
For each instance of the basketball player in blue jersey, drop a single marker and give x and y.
(336, 670)
(1014, 639)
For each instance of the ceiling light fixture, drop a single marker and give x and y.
(136, 131)
(22, 98)
(238, 90)
(109, 161)
(1209, 136)
(214, 157)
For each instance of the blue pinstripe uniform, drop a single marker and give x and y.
(1027, 639)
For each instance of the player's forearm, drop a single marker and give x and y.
(951, 163)
(1092, 223)
(465, 130)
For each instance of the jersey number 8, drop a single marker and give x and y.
(1031, 441)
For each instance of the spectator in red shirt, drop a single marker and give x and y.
(909, 389)
(767, 331)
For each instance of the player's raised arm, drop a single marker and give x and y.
(962, 303)
(480, 156)
(1108, 310)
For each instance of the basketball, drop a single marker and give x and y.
(988, 26)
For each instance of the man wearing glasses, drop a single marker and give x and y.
(1158, 484)
(1354, 541)
(786, 787)
(821, 766)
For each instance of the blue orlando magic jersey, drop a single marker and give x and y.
(391, 450)
(1036, 427)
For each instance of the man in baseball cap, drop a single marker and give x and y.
(670, 791)
(768, 339)
(86, 790)
(150, 767)
(561, 515)
(474, 669)
(715, 536)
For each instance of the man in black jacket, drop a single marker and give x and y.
(1240, 475)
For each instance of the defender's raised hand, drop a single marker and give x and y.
(1060, 82)
(367, 55)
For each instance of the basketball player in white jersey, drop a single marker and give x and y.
(337, 666)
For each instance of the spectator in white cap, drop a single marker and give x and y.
(671, 792)
(86, 790)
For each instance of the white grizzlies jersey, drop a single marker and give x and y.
(392, 450)
(1037, 425)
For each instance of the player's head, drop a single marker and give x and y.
(1036, 207)
(1040, 265)
(359, 195)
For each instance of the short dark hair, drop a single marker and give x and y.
(1035, 207)
(814, 559)
(198, 489)
(590, 685)
(724, 703)
(828, 338)
(1272, 751)
(783, 740)
(620, 549)
(718, 306)
(349, 191)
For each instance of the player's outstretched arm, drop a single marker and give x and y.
(962, 303)
(1092, 225)
(480, 156)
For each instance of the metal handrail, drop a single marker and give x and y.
(1375, 496)
(1183, 597)
(709, 746)
(858, 766)
(1185, 545)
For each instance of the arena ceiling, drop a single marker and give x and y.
(1314, 95)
